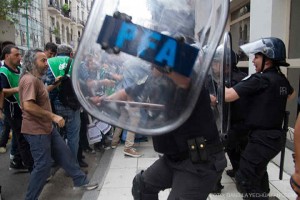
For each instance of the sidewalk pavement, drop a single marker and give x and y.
(116, 172)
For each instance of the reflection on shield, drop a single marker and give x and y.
(219, 78)
(148, 51)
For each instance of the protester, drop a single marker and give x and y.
(6, 129)
(89, 80)
(1, 118)
(45, 141)
(133, 72)
(295, 178)
(50, 49)
(10, 74)
(57, 65)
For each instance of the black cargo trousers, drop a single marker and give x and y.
(188, 181)
(252, 178)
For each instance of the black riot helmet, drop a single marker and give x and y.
(271, 47)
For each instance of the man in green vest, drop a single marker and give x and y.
(9, 75)
(57, 66)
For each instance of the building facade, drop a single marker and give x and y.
(65, 20)
(27, 30)
(58, 21)
(250, 20)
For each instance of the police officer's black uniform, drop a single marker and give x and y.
(267, 93)
(238, 133)
(193, 159)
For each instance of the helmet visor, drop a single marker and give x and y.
(259, 46)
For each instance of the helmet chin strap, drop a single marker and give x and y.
(263, 63)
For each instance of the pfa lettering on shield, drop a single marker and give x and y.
(152, 46)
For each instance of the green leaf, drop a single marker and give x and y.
(10, 7)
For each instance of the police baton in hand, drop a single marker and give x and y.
(284, 130)
(135, 104)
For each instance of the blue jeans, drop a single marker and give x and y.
(72, 126)
(42, 148)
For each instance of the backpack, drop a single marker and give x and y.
(66, 92)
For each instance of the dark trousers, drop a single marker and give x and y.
(262, 147)
(5, 133)
(23, 146)
(5, 136)
(236, 144)
(83, 141)
(187, 180)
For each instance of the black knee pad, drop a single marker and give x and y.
(142, 192)
(265, 186)
(242, 184)
(137, 186)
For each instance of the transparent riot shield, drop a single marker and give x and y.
(226, 81)
(136, 67)
(219, 78)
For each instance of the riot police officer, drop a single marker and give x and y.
(193, 158)
(238, 133)
(267, 92)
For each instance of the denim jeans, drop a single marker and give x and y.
(42, 148)
(72, 126)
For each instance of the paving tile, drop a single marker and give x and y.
(226, 178)
(144, 163)
(284, 188)
(229, 192)
(115, 193)
(122, 162)
(119, 178)
(118, 181)
(273, 172)
(289, 165)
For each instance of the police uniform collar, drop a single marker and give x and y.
(270, 69)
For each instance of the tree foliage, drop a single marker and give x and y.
(10, 7)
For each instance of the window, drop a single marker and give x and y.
(240, 29)
(294, 42)
(52, 19)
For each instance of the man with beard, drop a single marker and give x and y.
(45, 142)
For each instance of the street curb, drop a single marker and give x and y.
(99, 175)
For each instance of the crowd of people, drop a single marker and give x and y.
(46, 133)
(37, 146)
(25, 114)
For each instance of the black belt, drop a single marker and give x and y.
(210, 149)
